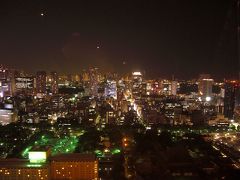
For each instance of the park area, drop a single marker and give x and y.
(65, 144)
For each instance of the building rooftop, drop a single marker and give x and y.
(40, 148)
(73, 157)
(20, 163)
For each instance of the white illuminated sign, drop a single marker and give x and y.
(37, 156)
(137, 73)
(24, 83)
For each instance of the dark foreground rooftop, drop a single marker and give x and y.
(20, 163)
(73, 157)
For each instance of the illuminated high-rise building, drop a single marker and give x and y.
(231, 98)
(85, 76)
(54, 82)
(23, 84)
(7, 116)
(73, 78)
(41, 82)
(5, 79)
(111, 89)
(63, 80)
(3, 88)
(165, 87)
(205, 88)
(137, 80)
(174, 88)
(76, 78)
(93, 75)
(3, 73)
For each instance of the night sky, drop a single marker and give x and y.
(181, 37)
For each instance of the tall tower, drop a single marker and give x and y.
(54, 82)
(137, 80)
(41, 82)
(231, 98)
(111, 89)
(205, 87)
(174, 88)
(3, 73)
(93, 75)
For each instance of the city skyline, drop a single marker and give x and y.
(120, 90)
(180, 38)
(22, 73)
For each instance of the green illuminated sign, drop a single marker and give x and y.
(98, 152)
(116, 151)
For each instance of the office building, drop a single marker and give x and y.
(54, 82)
(74, 166)
(64, 166)
(137, 80)
(23, 84)
(111, 89)
(7, 116)
(174, 88)
(231, 98)
(94, 80)
(3, 73)
(14, 169)
(41, 82)
(205, 88)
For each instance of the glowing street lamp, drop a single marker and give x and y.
(208, 98)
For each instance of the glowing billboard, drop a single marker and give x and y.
(136, 73)
(37, 156)
(24, 82)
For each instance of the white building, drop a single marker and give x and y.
(6, 116)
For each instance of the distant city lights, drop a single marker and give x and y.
(208, 98)
(137, 73)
